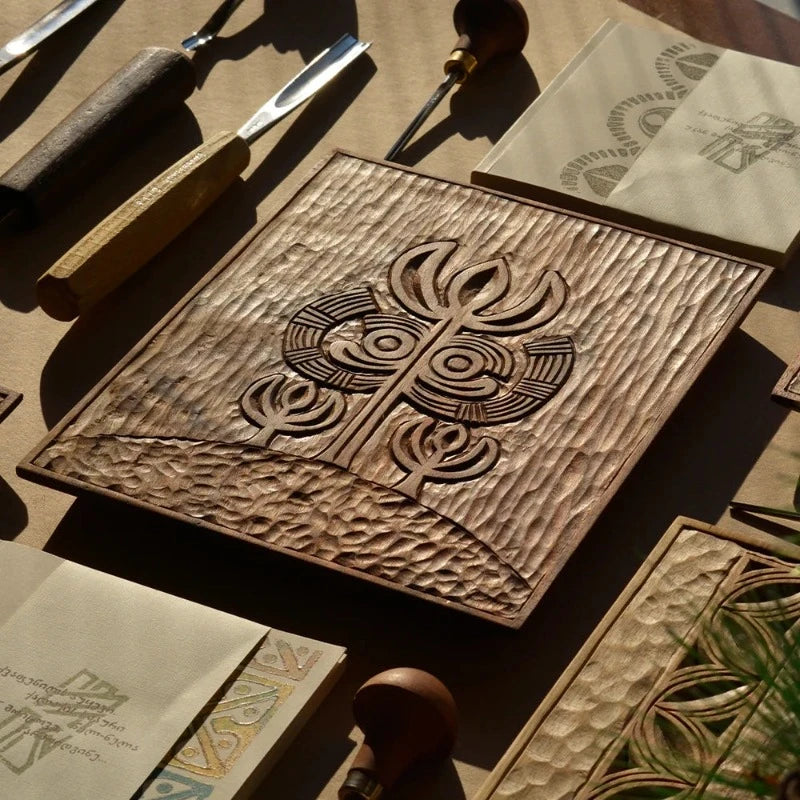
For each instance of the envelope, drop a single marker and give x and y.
(100, 677)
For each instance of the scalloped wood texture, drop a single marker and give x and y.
(787, 389)
(425, 384)
(8, 401)
(654, 692)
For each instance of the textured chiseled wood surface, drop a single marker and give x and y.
(591, 737)
(788, 387)
(633, 319)
(8, 399)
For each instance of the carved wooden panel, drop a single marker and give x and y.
(8, 401)
(787, 389)
(655, 697)
(426, 384)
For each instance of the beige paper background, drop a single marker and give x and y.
(695, 466)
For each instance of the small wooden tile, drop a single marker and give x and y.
(653, 689)
(787, 389)
(8, 401)
(426, 384)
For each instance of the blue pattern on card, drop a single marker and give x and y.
(168, 785)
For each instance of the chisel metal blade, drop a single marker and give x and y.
(30, 39)
(304, 85)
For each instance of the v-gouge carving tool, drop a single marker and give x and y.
(486, 29)
(102, 127)
(145, 224)
(30, 39)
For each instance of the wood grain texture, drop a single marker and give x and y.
(8, 401)
(787, 389)
(425, 383)
(628, 679)
(141, 227)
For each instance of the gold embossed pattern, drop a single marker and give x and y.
(230, 723)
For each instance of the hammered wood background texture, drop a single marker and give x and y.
(788, 387)
(654, 693)
(623, 324)
(8, 400)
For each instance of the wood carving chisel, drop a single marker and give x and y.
(29, 40)
(486, 29)
(152, 218)
(103, 127)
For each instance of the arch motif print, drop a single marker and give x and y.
(723, 678)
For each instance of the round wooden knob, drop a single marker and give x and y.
(487, 29)
(408, 717)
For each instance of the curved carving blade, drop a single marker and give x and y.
(326, 66)
(30, 39)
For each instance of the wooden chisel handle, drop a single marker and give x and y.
(141, 227)
(97, 131)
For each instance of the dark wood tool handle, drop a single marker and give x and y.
(141, 227)
(408, 716)
(490, 28)
(96, 132)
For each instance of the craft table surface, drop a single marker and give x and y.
(727, 438)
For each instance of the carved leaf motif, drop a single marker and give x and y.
(415, 284)
(297, 407)
(478, 286)
(442, 369)
(415, 279)
(428, 450)
(537, 309)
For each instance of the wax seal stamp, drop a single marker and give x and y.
(408, 717)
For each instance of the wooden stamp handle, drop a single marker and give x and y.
(141, 227)
(99, 130)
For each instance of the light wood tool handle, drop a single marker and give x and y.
(141, 227)
(99, 130)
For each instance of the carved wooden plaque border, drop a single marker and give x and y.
(787, 389)
(654, 692)
(8, 401)
(430, 385)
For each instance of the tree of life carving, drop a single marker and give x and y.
(439, 357)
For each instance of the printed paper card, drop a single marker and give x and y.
(99, 677)
(669, 134)
(243, 731)
(728, 161)
(601, 112)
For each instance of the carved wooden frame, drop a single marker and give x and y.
(8, 401)
(448, 454)
(587, 739)
(787, 389)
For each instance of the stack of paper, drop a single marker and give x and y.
(103, 680)
(668, 134)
